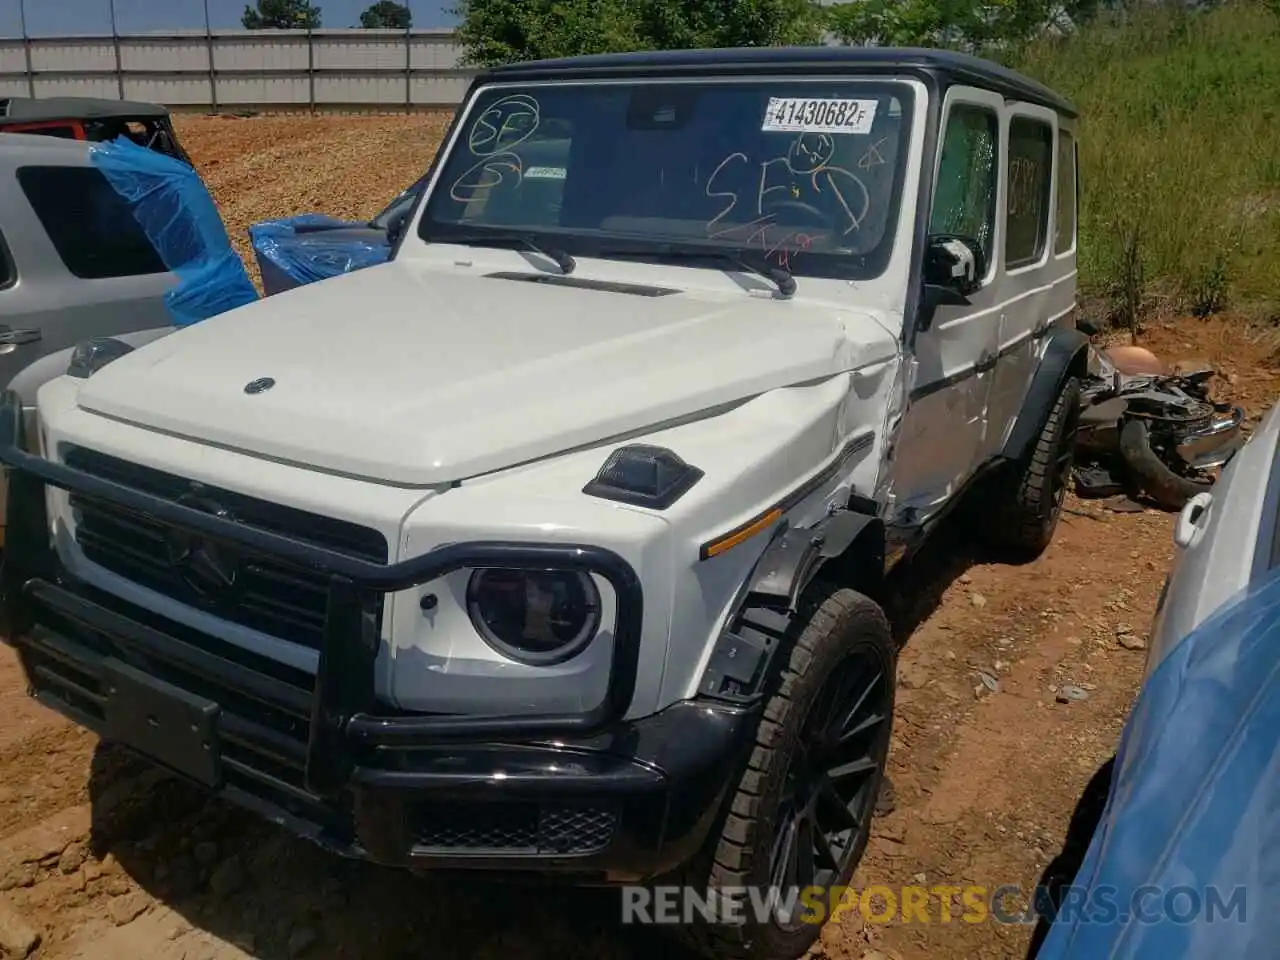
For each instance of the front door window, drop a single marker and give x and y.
(965, 198)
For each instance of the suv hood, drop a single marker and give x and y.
(415, 376)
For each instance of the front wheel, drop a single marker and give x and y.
(801, 813)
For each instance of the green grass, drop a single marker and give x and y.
(1179, 153)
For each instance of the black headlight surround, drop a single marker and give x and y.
(488, 617)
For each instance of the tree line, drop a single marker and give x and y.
(304, 15)
(503, 31)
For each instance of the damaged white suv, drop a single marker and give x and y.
(554, 544)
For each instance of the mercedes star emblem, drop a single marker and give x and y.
(209, 569)
(261, 385)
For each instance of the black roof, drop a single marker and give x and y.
(35, 109)
(946, 64)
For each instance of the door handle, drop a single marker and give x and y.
(1188, 528)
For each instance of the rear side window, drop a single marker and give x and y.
(1065, 216)
(91, 226)
(1030, 173)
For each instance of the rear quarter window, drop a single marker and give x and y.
(91, 226)
(8, 273)
(1065, 217)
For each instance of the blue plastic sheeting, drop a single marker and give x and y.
(1193, 817)
(329, 248)
(175, 211)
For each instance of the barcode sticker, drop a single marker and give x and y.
(807, 115)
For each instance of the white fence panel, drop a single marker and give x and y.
(71, 86)
(83, 55)
(362, 50)
(169, 54)
(12, 58)
(260, 50)
(440, 90)
(291, 69)
(173, 90)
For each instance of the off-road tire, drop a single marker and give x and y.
(833, 623)
(1034, 498)
(1151, 474)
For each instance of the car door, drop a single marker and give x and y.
(1037, 284)
(942, 435)
(77, 264)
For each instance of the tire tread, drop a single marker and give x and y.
(1024, 527)
(731, 863)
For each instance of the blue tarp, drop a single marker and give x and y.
(176, 212)
(1193, 816)
(305, 256)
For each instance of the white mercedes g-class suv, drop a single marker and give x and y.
(554, 544)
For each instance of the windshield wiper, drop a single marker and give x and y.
(563, 259)
(743, 259)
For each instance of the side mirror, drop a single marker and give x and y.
(954, 267)
(395, 227)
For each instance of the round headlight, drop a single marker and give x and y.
(538, 617)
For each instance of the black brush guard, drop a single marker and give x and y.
(343, 711)
(618, 798)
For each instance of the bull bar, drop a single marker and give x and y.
(344, 712)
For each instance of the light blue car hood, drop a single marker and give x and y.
(1194, 804)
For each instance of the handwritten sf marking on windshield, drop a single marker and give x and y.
(502, 127)
(807, 158)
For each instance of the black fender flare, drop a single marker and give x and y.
(769, 599)
(796, 554)
(1066, 354)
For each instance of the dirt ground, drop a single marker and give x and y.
(276, 166)
(105, 860)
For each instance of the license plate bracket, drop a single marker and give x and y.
(169, 725)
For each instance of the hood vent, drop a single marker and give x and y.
(608, 286)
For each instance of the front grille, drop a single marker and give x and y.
(276, 598)
(263, 735)
(263, 727)
(514, 828)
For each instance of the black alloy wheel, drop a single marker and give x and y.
(825, 815)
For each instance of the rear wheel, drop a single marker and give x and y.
(1039, 487)
(801, 813)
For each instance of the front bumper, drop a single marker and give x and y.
(589, 794)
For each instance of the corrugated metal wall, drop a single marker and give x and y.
(374, 69)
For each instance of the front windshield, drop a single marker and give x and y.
(806, 173)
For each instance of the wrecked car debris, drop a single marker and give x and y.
(1157, 434)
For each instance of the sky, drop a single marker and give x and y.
(45, 17)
